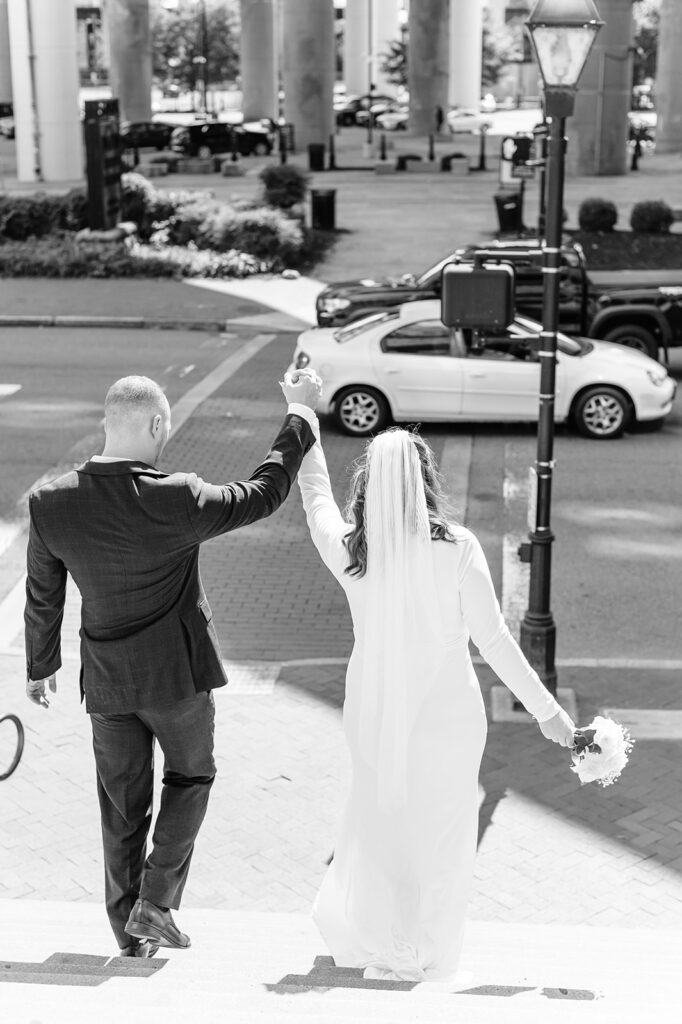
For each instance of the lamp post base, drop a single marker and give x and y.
(537, 639)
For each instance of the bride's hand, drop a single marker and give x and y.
(559, 729)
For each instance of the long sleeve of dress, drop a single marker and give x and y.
(326, 524)
(489, 632)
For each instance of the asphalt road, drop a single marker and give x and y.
(64, 375)
(617, 506)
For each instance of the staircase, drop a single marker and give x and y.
(243, 967)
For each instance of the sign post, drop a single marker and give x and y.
(103, 163)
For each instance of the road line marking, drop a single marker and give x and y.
(12, 614)
(186, 405)
(9, 389)
(648, 723)
(662, 664)
(295, 297)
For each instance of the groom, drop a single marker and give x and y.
(129, 535)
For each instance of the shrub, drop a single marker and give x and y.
(284, 185)
(597, 215)
(266, 234)
(34, 216)
(652, 217)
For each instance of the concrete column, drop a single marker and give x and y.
(466, 53)
(669, 79)
(130, 57)
(46, 114)
(308, 69)
(258, 59)
(428, 64)
(356, 71)
(5, 68)
(597, 134)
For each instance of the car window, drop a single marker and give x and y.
(358, 326)
(505, 345)
(425, 338)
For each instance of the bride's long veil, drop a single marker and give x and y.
(404, 637)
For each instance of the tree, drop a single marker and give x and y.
(177, 43)
(500, 46)
(646, 15)
(394, 63)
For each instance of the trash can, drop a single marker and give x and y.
(509, 211)
(323, 208)
(316, 156)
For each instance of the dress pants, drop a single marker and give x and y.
(124, 758)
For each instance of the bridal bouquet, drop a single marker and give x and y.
(600, 751)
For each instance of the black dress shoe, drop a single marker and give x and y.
(142, 949)
(147, 921)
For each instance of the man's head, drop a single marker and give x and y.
(137, 419)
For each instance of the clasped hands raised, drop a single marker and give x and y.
(302, 386)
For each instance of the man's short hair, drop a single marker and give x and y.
(134, 396)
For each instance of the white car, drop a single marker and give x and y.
(394, 120)
(404, 365)
(459, 119)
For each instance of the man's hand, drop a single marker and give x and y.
(35, 690)
(303, 386)
(559, 729)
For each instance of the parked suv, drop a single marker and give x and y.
(647, 319)
(345, 301)
(204, 138)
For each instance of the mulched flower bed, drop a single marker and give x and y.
(629, 250)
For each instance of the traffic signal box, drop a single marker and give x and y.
(478, 297)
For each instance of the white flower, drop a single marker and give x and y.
(606, 755)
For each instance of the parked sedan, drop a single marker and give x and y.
(204, 138)
(404, 365)
(394, 119)
(460, 119)
(146, 133)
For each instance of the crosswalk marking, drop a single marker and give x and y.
(9, 389)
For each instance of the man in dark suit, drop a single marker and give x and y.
(129, 535)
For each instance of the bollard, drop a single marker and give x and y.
(235, 148)
(332, 154)
(382, 147)
(282, 145)
(432, 149)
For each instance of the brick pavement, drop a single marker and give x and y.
(550, 851)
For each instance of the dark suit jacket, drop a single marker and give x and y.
(130, 535)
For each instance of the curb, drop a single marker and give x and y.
(134, 322)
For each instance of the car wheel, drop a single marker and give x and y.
(204, 152)
(602, 413)
(634, 336)
(260, 149)
(361, 411)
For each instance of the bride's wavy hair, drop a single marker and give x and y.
(437, 506)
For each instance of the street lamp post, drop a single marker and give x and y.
(562, 33)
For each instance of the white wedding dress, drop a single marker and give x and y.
(394, 898)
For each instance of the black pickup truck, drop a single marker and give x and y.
(647, 319)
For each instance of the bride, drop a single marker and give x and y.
(418, 586)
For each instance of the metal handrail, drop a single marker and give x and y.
(19, 748)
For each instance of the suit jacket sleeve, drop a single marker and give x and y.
(214, 509)
(45, 594)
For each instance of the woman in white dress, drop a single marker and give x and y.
(394, 899)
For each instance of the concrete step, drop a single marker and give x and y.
(247, 967)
